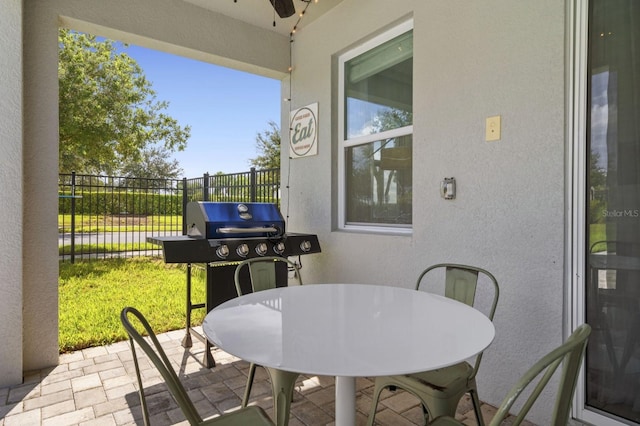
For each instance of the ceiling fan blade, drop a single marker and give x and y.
(284, 8)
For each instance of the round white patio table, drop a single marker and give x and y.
(348, 331)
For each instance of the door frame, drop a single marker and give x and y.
(577, 24)
(577, 28)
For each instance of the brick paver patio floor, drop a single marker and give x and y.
(97, 386)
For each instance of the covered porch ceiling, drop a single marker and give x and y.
(260, 13)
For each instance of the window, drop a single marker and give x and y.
(375, 133)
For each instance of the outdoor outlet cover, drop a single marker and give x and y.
(493, 128)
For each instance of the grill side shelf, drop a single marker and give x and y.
(183, 249)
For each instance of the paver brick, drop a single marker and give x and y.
(96, 387)
(22, 392)
(58, 409)
(120, 391)
(86, 382)
(31, 417)
(71, 418)
(51, 399)
(103, 366)
(55, 387)
(90, 397)
(100, 421)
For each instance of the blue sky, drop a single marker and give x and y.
(225, 108)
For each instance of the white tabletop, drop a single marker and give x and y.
(348, 330)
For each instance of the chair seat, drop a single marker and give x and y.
(444, 382)
(251, 415)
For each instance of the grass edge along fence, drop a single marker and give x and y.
(101, 217)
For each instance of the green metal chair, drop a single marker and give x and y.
(570, 354)
(263, 276)
(440, 390)
(246, 416)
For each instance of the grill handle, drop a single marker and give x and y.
(247, 230)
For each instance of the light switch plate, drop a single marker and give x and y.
(492, 132)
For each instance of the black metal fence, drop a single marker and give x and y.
(108, 216)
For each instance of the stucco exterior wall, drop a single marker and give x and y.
(11, 194)
(472, 60)
(170, 25)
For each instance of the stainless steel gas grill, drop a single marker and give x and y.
(219, 235)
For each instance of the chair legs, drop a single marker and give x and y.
(143, 400)
(476, 406)
(380, 385)
(247, 390)
(282, 384)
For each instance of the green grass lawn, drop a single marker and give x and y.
(92, 294)
(104, 223)
(106, 248)
(598, 232)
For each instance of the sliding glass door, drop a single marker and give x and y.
(612, 234)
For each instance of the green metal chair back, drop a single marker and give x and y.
(461, 283)
(155, 353)
(570, 355)
(262, 272)
(441, 390)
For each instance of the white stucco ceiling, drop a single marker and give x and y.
(260, 13)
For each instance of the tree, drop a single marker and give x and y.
(154, 163)
(108, 109)
(268, 143)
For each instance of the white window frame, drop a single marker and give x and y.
(344, 144)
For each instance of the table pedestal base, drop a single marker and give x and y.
(345, 401)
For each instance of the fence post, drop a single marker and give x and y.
(252, 185)
(73, 217)
(205, 187)
(185, 199)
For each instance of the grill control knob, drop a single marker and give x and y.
(279, 247)
(262, 249)
(222, 251)
(242, 250)
(305, 246)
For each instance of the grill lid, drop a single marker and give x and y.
(214, 220)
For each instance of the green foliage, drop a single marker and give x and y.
(598, 232)
(154, 164)
(114, 203)
(596, 211)
(392, 119)
(92, 294)
(108, 111)
(597, 190)
(597, 175)
(268, 143)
